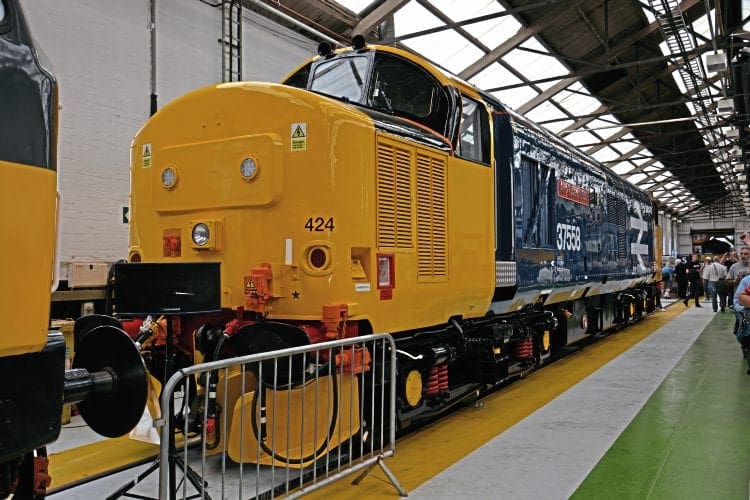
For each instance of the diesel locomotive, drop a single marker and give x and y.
(109, 380)
(372, 192)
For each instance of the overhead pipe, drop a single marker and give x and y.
(292, 20)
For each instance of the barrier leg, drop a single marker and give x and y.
(387, 471)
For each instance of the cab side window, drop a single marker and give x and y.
(474, 134)
(403, 89)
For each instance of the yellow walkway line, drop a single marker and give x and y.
(427, 452)
(94, 459)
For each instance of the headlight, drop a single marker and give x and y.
(169, 177)
(201, 234)
(248, 168)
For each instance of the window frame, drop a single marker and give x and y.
(480, 119)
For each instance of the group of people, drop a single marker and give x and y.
(715, 278)
(718, 278)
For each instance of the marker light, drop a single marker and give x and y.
(169, 177)
(200, 234)
(248, 168)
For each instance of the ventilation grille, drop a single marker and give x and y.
(432, 224)
(616, 210)
(505, 273)
(622, 242)
(394, 199)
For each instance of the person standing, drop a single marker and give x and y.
(736, 273)
(713, 274)
(741, 308)
(704, 283)
(741, 268)
(695, 281)
(729, 260)
(666, 276)
(681, 277)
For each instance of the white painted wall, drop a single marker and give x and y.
(100, 52)
(739, 225)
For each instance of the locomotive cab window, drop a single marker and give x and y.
(474, 135)
(399, 87)
(344, 77)
(403, 89)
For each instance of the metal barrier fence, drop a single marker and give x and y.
(281, 423)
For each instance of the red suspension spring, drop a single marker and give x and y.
(525, 348)
(438, 380)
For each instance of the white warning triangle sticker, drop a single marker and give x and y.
(146, 156)
(298, 133)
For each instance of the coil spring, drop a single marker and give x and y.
(438, 380)
(524, 348)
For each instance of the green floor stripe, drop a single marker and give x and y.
(692, 438)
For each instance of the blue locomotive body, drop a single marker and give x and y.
(581, 239)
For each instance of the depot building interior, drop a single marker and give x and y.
(656, 92)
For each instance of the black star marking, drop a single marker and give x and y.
(295, 295)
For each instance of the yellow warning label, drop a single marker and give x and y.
(146, 156)
(299, 136)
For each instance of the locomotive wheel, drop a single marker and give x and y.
(110, 349)
(265, 337)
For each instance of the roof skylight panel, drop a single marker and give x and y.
(636, 178)
(581, 137)
(544, 112)
(461, 10)
(556, 127)
(649, 15)
(535, 66)
(452, 50)
(605, 155)
(622, 168)
(629, 137)
(627, 148)
(644, 156)
(701, 25)
(494, 76)
(607, 125)
(517, 96)
(577, 100)
(494, 32)
(412, 18)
